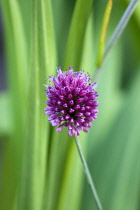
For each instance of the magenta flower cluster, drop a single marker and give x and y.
(71, 101)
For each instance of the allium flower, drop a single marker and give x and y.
(71, 101)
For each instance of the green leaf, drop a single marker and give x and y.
(17, 55)
(42, 64)
(5, 113)
(115, 164)
(77, 31)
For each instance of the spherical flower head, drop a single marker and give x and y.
(71, 101)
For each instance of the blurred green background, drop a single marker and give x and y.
(39, 168)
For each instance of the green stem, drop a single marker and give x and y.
(117, 33)
(103, 33)
(121, 25)
(88, 175)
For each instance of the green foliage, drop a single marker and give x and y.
(41, 169)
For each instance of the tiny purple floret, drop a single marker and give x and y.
(71, 101)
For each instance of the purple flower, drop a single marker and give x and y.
(71, 101)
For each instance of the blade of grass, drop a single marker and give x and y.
(56, 163)
(120, 180)
(103, 33)
(129, 170)
(121, 26)
(76, 35)
(117, 33)
(62, 12)
(43, 62)
(88, 48)
(16, 49)
(5, 113)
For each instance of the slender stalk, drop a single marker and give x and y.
(117, 33)
(88, 175)
(121, 25)
(103, 33)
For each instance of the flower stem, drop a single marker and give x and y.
(121, 25)
(88, 175)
